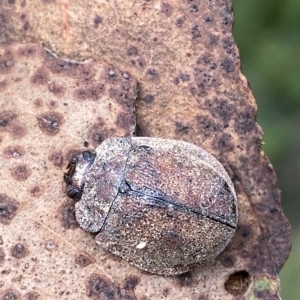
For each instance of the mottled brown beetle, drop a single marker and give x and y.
(165, 206)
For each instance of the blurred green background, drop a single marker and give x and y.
(268, 36)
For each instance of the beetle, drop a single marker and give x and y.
(165, 206)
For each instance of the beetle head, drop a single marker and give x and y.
(78, 169)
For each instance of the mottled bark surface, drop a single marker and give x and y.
(182, 56)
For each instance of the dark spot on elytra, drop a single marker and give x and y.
(37, 191)
(238, 283)
(50, 122)
(2, 256)
(56, 89)
(83, 260)
(20, 172)
(181, 128)
(228, 65)
(3, 85)
(9, 123)
(185, 279)
(130, 282)
(6, 62)
(13, 151)
(97, 21)
(26, 26)
(8, 209)
(32, 296)
(40, 77)
(152, 73)
(101, 287)
(167, 9)
(195, 32)
(179, 22)
(27, 51)
(148, 98)
(66, 215)
(19, 250)
(10, 294)
(132, 51)
(11, 1)
(56, 158)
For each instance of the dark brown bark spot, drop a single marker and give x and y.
(40, 77)
(37, 191)
(21, 172)
(56, 158)
(50, 122)
(83, 260)
(8, 209)
(132, 51)
(11, 295)
(19, 251)
(56, 89)
(2, 256)
(13, 151)
(131, 282)
(100, 287)
(97, 21)
(66, 215)
(167, 9)
(32, 296)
